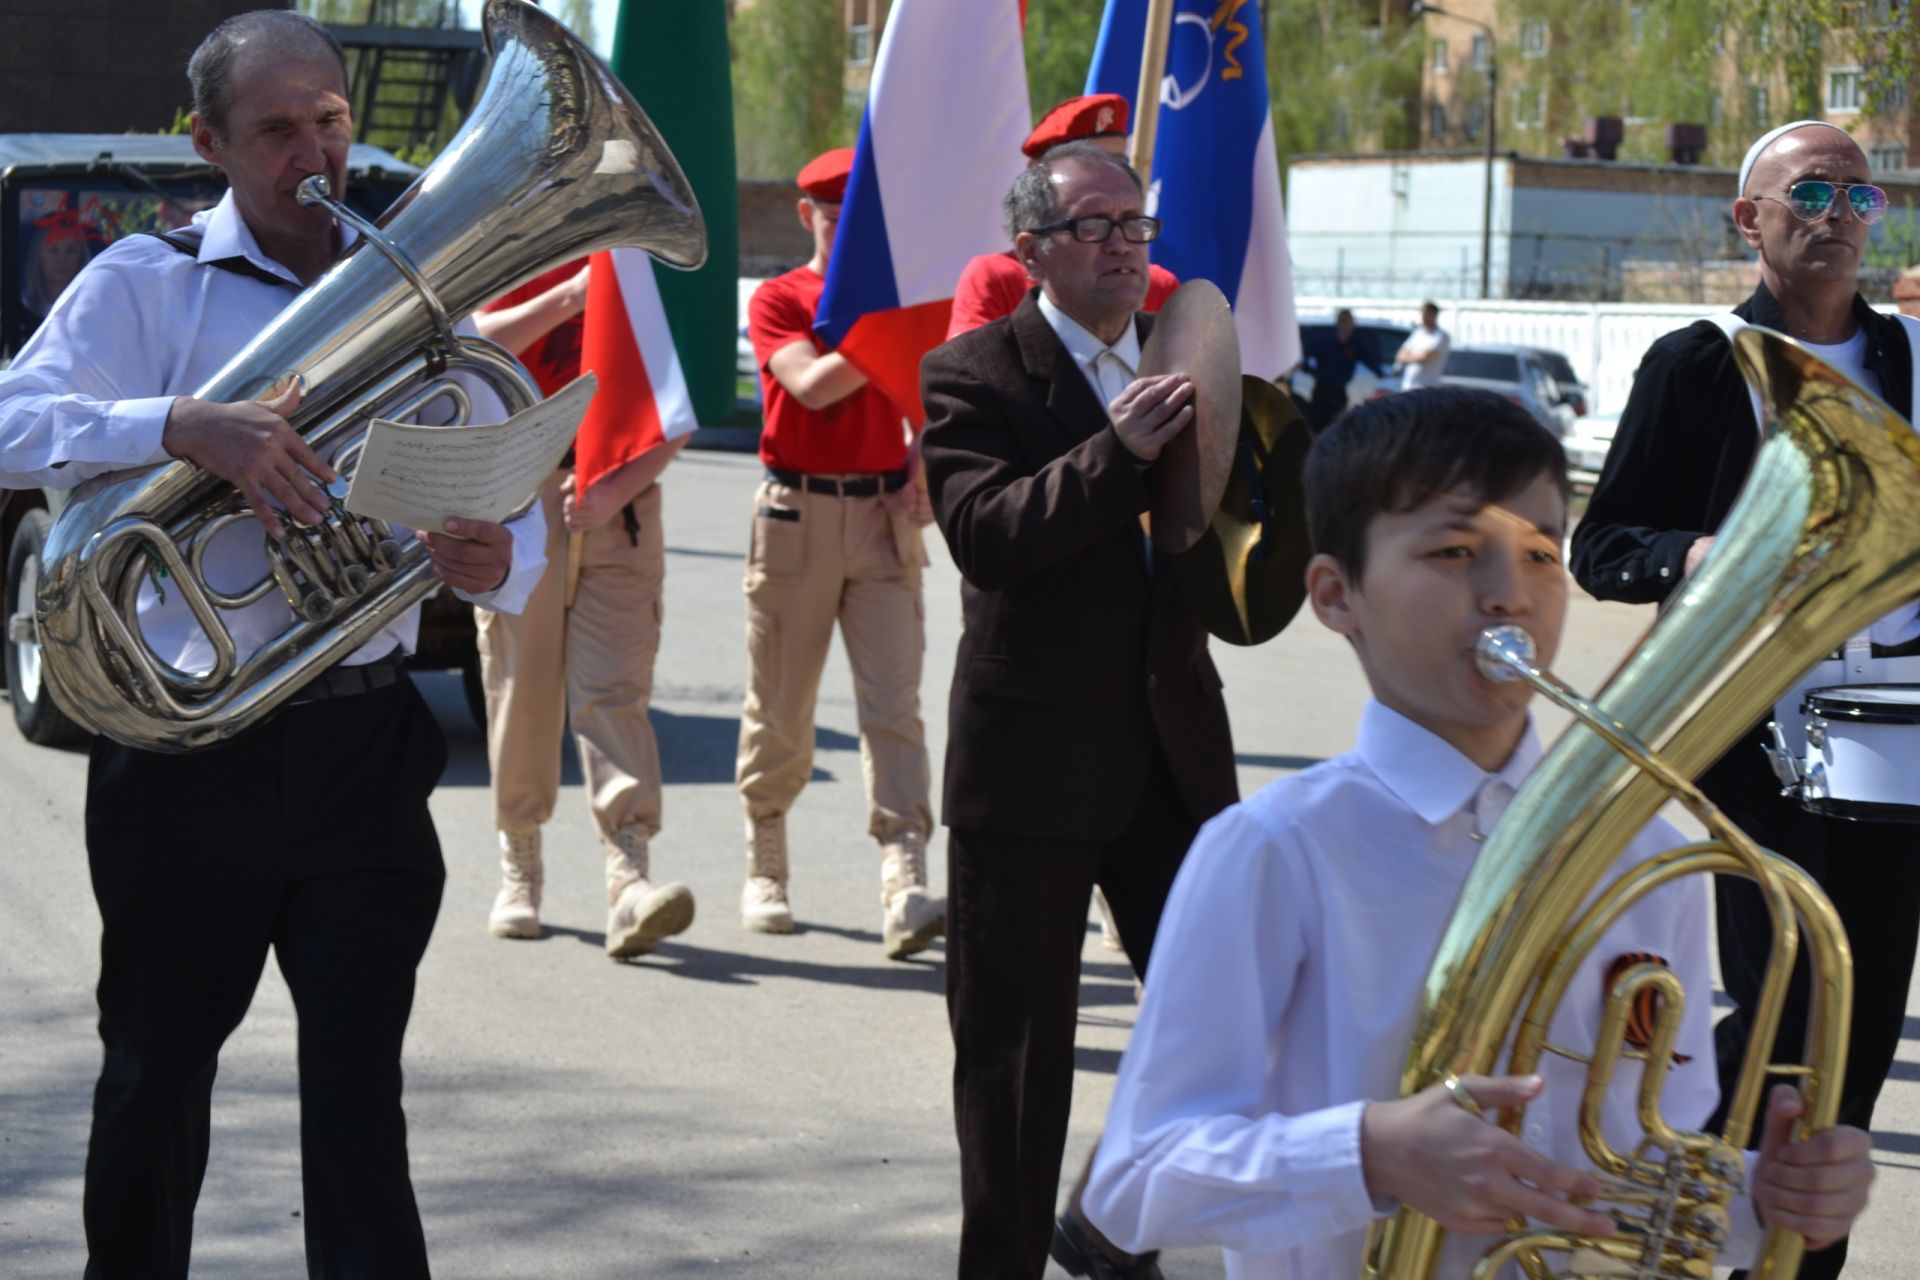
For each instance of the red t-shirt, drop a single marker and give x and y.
(862, 432)
(553, 360)
(995, 283)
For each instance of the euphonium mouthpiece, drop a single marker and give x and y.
(1504, 652)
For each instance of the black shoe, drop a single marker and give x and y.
(1076, 1252)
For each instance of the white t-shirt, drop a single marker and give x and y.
(1424, 358)
(1850, 358)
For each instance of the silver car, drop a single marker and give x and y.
(1514, 372)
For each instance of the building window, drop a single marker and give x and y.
(1482, 53)
(1716, 110)
(1887, 155)
(1843, 90)
(1476, 120)
(1533, 37)
(860, 44)
(1437, 121)
(1529, 107)
(1637, 24)
(1440, 57)
(1757, 104)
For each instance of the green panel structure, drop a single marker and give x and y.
(672, 56)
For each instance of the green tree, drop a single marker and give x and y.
(1341, 75)
(789, 76)
(1059, 45)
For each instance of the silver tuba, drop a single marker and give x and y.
(555, 161)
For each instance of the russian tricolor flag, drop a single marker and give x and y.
(939, 146)
(1216, 176)
(643, 399)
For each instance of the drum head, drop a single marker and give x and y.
(1194, 335)
(1865, 703)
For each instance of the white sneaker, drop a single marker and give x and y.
(911, 917)
(763, 899)
(516, 908)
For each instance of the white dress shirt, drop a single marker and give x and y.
(90, 392)
(1429, 349)
(1284, 983)
(1108, 369)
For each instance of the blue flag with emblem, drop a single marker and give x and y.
(1216, 177)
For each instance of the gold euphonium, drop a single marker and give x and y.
(555, 161)
(1824, 538)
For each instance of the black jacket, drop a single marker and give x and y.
(1684, 446)
(1076, 657)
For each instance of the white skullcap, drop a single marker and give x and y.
(1767, 139)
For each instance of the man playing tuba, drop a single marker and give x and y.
(311, 834)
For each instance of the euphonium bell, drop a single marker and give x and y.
(556, 161)
(1824, 538)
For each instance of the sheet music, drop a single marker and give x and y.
(418, 476)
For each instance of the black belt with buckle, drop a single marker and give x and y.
(857, 487)
(345, 681)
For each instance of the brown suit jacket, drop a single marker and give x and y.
(1075, 656)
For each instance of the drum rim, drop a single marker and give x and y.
(1811, 703)
(1862, 810)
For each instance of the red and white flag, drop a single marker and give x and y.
(643, 399)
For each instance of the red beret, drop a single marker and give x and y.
(825, 176)
(1098, 115)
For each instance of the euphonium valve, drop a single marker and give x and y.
(1824, 538)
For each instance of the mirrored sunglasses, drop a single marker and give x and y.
(1812, 199)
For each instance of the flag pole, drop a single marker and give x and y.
(1153, 69)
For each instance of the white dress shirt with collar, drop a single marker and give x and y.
(90, 392)
(1108, 369)
(1281, 998)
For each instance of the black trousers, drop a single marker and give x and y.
(1871, 871)
(309, 835)
(1016, 922)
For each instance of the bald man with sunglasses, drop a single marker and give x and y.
(1681, 455)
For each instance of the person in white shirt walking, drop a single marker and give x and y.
(1257, 1106)
(310, 834)
(1423, 356)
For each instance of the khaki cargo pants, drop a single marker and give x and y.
(592, 663)
(818, 558)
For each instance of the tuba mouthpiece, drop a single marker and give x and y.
(1503, 652)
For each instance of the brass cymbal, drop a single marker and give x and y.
(1194, 334)
(1246, 577)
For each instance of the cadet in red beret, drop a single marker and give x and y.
(836, 538)
(993, 284)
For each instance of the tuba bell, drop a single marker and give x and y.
(1824, 538)
(555, 162)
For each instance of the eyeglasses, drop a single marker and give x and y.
(1810, 200)
(1098, 228)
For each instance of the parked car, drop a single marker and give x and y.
(1587, 446)
(93, 189)
(1573, 392)
(1514, 372)
(1386, 341)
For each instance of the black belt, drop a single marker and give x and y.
(344, 681)
(857, 487)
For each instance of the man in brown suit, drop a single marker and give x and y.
(1087, 735)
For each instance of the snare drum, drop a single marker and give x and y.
(1863, 752)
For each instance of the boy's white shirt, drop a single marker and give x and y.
(1285, 976)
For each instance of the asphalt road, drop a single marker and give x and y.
(735, 1104)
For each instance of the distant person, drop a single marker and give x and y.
(1331, 358)
(994, 284)
(1423, 356)
(60, 248)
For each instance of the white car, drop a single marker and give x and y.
(1587, 445)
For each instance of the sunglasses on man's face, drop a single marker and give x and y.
(1810, 200)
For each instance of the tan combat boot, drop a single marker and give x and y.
(640, 915)
(913, 917)
(763, 899)
(516, 908)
